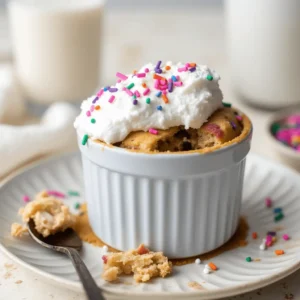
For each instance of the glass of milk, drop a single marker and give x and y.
(264, 47)
(56, 45)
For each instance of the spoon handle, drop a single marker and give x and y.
(92, 290)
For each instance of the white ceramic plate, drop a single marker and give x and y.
(263, 179)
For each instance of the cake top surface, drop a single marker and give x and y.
(158, 96)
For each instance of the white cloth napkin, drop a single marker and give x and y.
(20, 143)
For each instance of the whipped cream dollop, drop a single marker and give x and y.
(158, 96)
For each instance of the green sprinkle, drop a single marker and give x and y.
(148, 100)
(73, 193)
(248, 259)
(77, 205)
(93, 121)
(134, 96)
(130, 86)
(209, 77)
(275, 127)
(84, 139)
(225, 104)
(279, 217)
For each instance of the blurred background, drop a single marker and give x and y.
(56, 53)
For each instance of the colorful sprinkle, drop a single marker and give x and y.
(144, 85)
(106, 88)
(233, 125)
(213, 266)
(77, 205)
(121, 76)
(99, 94)
(262, 246)
(279, 252)
(84, 139)
(88, 113)
(128, 92)
(159, 107)
(95, 99)
(56, 194)
(153, 131)
(170, 85)
(277, 210)
(113, 90)
(214, 129)
(225, 104)
(92, 108)
(26, 198)
(156, 83)
(158, 94)
(174, 78)
(167, 68)
(278, 217)
(193, 64)
(111, 99)
(165, 98)
(141, 75)
(178, 83)
(271, 233)
(97, 107)
(209, 77)
(248, 259)
(130, 86)
(148, 100)
(239, 118)
(254, 235)
(159, 71)
(158, 64)
(135, 102)
(93, 121)
(104, 258)
(73, 193)
(192, 69)
(268, 202)
(183, 69)
(146, 70)
(155, 76)
(119, 80)
(286, 237)
(146, 91)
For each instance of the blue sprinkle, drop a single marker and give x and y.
(277, 210)
(159, 107)
(106, 88)
(174, 78)
(158, 94)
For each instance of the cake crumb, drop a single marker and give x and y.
(141, 262)
(18, 282)
(195, 285)
(49, 214)
(17, 230)
(7, 275)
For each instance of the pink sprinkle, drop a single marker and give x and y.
(187, 65)
(163, 87)
(286, 237)
(92, 108)
(121, 76)
(26, 198)
(129, 92)
(146, 70)
(183, 69)
(269, 238)
(156, 83)
(268, 202)
(164, 92)
(163, 81)
(100, 93)
(119, 80)
(239, 118)
(104, 258)
(137, 93)
(177, 83)
(140, 75)
(146, 91)
(269, 243)
(88, 113)
(56, 194)
(153, 131)
(111, 99)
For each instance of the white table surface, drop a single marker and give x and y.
(149, 36)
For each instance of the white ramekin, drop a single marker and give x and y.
(181, 204)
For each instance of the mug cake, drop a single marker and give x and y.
(163, 160)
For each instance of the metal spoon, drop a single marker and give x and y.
(69, 243)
